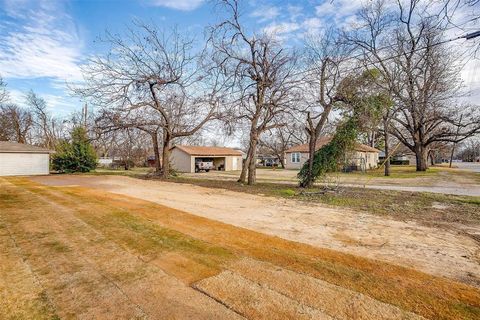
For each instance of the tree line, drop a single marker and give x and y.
(394, 69)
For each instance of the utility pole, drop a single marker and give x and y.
(455, 143)
(84, 115)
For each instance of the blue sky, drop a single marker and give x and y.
(43, 42)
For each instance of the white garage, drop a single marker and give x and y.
(17, 159)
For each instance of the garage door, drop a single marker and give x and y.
(23, 164)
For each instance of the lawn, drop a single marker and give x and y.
(266, 174)
(399, 171)
(132, 172)
(74, 252)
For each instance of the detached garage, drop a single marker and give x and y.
(17, 159)
(183, 158)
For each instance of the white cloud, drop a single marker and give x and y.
(312, 25)
(184, 5)
(265, 13)
(281, 28)
(294, 11)
(16, 96)
(340, 11)
(339, 8)
(39, 40)
(57, 104)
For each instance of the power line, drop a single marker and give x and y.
(467, 36)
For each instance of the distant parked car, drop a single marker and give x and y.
(203, 164)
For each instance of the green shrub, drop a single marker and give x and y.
(287, 192)
(75, 156)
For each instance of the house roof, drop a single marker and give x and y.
(325, 140)
(208, 151)
(14, 147)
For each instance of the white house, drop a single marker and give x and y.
(182, 158)
(362, 157)
(18, 159)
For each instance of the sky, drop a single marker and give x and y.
(43, 43)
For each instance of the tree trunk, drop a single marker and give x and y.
(314, 132)
(312, 142)
(432, 158)
(386, 162)
(451, 155)
(372, 139)
(250, 160)
(252, 170)
(454, 144)
(421, 154)
(165, 173)
(156, 151)
(281, 159)
(245, 166)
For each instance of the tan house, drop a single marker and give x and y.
(363, 157)
(182, 158)
(18, 159)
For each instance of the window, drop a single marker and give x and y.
(296, 157)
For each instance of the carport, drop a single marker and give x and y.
(183, 158)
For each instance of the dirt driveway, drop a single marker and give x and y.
(432, 250)
(463, 181)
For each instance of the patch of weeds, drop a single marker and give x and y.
(287, 193)
(133, 172)
(46, 307)
(57, 246)
(8, 197)
(463, 308)
(9, 200)
(41, 235)
(472, 200)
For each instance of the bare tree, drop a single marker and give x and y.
(47, 129)
(326, 54)
(153, 81)
(128, 147)
(469, 150)
(276, 141)
(261, 78)
(3, 91)
(15, 123)
(407, 44)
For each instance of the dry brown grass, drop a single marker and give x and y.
(21, 295)
(192, 248)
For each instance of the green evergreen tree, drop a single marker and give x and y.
(75, 156)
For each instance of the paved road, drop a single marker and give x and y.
(459, 190)
(472, 166)
(446, 188)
